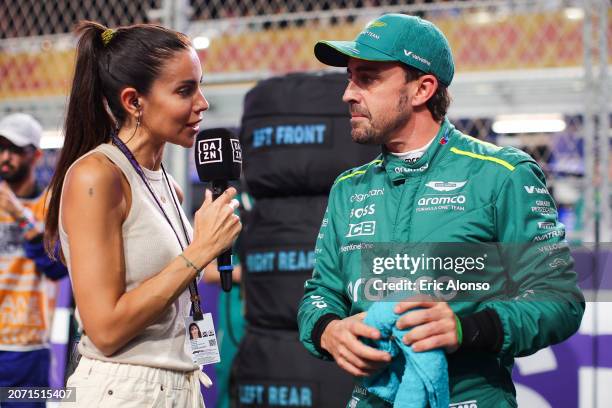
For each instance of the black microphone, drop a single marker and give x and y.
(218, 159)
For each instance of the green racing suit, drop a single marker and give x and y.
(461, 190)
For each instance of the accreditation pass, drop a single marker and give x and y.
(203, 340)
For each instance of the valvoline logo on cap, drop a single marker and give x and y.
(416, 57)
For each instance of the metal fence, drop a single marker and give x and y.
(512, 57)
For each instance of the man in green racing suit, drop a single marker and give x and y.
(433, 184)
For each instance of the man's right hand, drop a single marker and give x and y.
(341, 339)
(9, 202)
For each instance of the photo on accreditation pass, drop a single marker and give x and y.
(202, 340)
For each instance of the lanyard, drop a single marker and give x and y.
(196, 308)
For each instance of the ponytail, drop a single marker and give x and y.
(107, 61)
(87, 122)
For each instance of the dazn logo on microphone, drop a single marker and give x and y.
(209, 151)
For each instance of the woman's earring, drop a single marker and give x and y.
(138, 120)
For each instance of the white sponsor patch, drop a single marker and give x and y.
(421, 169)
(549, 235)
(353, 289)
(542, 210)
(355, 247)
(458, 199)
(362, 212)
(464, 404)
(557, 262)
(359, 197)
(445, 185)
(535, 190)
(441, 203)
(361, 229)
(371, 34)
(318, 302)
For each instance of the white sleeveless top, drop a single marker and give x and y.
(149, 245)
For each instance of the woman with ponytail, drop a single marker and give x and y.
(133, 257)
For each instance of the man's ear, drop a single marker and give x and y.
(426, 88)
(37, 155)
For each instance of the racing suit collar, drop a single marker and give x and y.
(398, 169)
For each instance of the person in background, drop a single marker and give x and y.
(27, 274)
(230, 327)
(231, 323)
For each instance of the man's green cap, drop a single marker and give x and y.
(395, 37)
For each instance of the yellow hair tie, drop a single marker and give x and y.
(107, 36)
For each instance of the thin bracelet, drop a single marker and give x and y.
(189, 263)
(459, 330)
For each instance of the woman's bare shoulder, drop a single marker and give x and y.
(94, 176)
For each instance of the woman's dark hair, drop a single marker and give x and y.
(131, 56)
(439, 102)
(197, 327)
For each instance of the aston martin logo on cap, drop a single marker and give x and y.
(375, 24)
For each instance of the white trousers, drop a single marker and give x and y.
(103, 384)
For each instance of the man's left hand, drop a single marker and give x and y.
(9, 202)
(433, 325)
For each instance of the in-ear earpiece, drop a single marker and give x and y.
(135, 103)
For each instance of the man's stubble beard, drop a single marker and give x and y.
(15, 176)
(370, 133)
